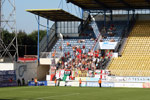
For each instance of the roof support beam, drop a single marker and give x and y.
(125, 3)
(148, 1)
(75, 3)
(102, 4)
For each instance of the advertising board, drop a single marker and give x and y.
(40, 83)
(128, 79)
(146, 85)
(50, 83)
(131, 85)
(108, 45)
(92, 84)
(104, 84)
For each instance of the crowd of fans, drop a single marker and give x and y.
(91, 60)
(110, 32)
(83, 60)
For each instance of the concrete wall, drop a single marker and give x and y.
(47, 61)
(42, 71)
(26, 70)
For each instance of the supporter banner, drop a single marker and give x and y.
(131, 85)
(90, 73)
(82, 78)
(57, 74)
(60, 74)
(87, 78)
(81, 73)
(48, 77)
(92, 79)
(108, 45)
(67, 72)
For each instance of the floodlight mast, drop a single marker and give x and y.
(8, 52)
(0, 19)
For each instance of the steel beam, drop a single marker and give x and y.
(38, 42)
(125, 3)
(102, 4)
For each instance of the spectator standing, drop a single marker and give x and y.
(55, 82)
(80, 82)
(19, 82)
(23, 82)
(100, 82)
(35, 81)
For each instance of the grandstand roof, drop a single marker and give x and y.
(54, 14)
(112, 4)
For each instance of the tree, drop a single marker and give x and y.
(27, 43)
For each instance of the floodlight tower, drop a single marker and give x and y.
(9, 51)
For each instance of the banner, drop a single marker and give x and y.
(67, 72)
(108, 45)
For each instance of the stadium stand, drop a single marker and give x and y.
(135, 60)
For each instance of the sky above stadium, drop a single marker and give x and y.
(27, 21)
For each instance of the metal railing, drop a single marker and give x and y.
(49, 55)
(97, 33)
(43, 42)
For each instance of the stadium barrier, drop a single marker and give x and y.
(110, 81)
(104, 84)
(71, 78)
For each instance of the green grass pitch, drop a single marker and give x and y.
(73, 93)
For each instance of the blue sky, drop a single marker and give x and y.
(27, 21)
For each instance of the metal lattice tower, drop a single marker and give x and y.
(8, 52)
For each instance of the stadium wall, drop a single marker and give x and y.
(42, 71)
(26, 70)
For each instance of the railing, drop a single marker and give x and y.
(49, 55)
(83, 25)
(97, 33)
(43, 43)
